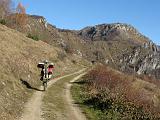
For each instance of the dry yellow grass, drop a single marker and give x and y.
(19, 56)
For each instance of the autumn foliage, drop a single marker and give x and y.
(109, 89)
(21, 17)
(9, 13)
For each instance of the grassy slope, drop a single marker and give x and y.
(77, 91)
(19, 56)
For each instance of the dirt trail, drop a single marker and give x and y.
(75, 112)
(32, 109)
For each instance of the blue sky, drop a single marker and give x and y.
(76, 14)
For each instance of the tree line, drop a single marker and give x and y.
(9, 12)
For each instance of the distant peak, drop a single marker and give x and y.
(122, 26)
(108, 31)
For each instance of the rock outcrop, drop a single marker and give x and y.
(128, 49)
(110, 31)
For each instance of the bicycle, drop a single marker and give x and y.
(44, 72)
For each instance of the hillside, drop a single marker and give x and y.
(19, 56)
(118, 45)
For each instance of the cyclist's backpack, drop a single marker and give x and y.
(40, 65)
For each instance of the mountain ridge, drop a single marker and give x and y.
(112, 44)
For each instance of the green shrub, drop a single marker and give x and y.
(34, 37)
(3, 21)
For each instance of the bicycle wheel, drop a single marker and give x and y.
(44, 86)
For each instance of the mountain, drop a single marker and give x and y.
(118, 45)
(115, 31)
(129, 49)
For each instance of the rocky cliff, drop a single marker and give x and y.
(128, 49)
(111, 31)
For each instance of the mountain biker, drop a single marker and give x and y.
(50, 67)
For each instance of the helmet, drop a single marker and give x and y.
(52, 64)
(46, 61)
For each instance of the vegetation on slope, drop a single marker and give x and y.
(19, 76)
(107, 94)
(34, 37)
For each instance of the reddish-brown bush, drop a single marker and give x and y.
(149, 79)
(120, 87)
(103, 77)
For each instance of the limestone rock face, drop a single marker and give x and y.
(127, 49)
(142, 60)
(109, 31)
